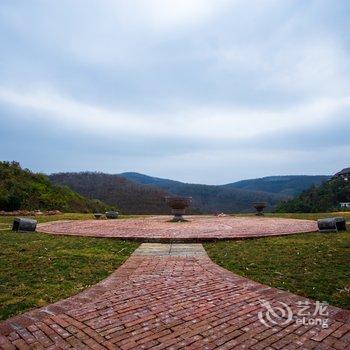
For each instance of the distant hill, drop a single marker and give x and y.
(283, 185)
(324, 198)
(128, 196)
(135, 193)
(21, 189)
(209, 198)
(151, 180)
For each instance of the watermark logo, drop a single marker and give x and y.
(307, 313)
(280, 314)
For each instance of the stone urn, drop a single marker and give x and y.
(259, 206)
(178, 206)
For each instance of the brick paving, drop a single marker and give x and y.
(199, 228)
(171, 296)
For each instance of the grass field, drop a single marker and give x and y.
(312, 216)
(314, 265)
(6, 221)
(37, 269)
(306, 216)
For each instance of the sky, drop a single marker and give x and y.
(202, 91)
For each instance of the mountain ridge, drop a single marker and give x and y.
(133, 197)
(136, 193)
(287, 185)
(222, 193)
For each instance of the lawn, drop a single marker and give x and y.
(38, 269)
(6, 221)
(315, 265)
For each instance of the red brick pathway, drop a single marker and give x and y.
(170, 297)
(200, 228)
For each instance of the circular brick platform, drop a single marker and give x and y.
(199, 228)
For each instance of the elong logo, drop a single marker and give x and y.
(282, 314)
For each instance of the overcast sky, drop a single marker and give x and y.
(208, 91)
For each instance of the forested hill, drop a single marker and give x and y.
(283, 185)
(209, 198)
(143, 179)
(129, 197)
(324, 198)
(135, 193)
(148, 197)
(21, 189)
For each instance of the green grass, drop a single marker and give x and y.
(38, 269)
(315, 265)
(6, 221)
(306, 216)
(311, 216)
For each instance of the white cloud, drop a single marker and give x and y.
(313, 67)
(202, 75)
(206, 122)
(169, 14)
(108, 32)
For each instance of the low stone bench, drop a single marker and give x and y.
(98, 215)
(332, 224)
(24, 225)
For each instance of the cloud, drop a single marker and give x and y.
(201, 83)
(204, 122)
(169, 14)
(309, 67)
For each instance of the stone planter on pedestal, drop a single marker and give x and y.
(178, 206)
(259, 206)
